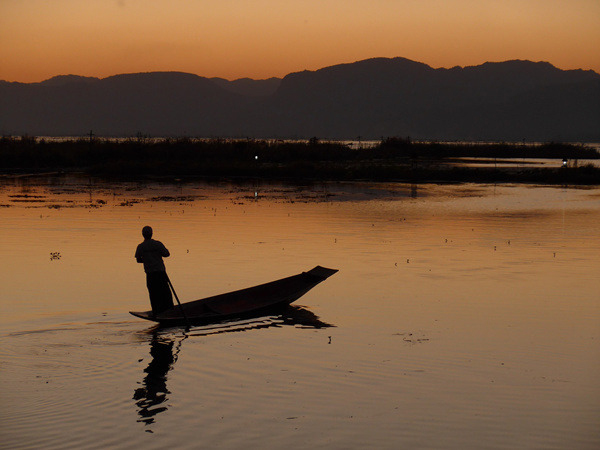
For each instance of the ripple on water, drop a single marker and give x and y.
(66, 374)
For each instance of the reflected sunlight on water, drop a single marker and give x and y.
(463, 316)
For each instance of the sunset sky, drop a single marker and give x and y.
(264, 38)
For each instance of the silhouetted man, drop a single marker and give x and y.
(151, 253)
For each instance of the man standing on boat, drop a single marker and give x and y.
(151, 254)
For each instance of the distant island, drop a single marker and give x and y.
(516, 101)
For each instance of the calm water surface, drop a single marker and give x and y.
(463, 316)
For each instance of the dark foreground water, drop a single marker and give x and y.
(463, 316)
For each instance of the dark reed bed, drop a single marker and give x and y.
(393, 159)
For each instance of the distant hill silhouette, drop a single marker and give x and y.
(249, 87)
(510, 101)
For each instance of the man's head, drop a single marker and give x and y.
(147, 232)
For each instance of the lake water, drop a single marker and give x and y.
(462, 316)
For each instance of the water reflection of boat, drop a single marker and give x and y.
(151, 398)
(290, 315)
(262, 298)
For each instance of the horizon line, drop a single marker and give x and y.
(298, 71)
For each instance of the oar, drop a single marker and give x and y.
(178, 302)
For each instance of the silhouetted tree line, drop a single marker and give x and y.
(393, 158)
(404, 147)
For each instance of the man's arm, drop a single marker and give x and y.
(138, 255)
(164, 252)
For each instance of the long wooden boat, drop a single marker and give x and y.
(253, 300)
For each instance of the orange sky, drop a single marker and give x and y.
(264, 38)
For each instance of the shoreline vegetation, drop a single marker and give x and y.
(392, 159)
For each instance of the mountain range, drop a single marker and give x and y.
(379, 97)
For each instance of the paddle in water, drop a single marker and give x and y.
(187, 322)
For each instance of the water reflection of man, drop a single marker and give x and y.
(154, 391)
(151, 253)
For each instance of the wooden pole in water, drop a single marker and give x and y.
(178, 302)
